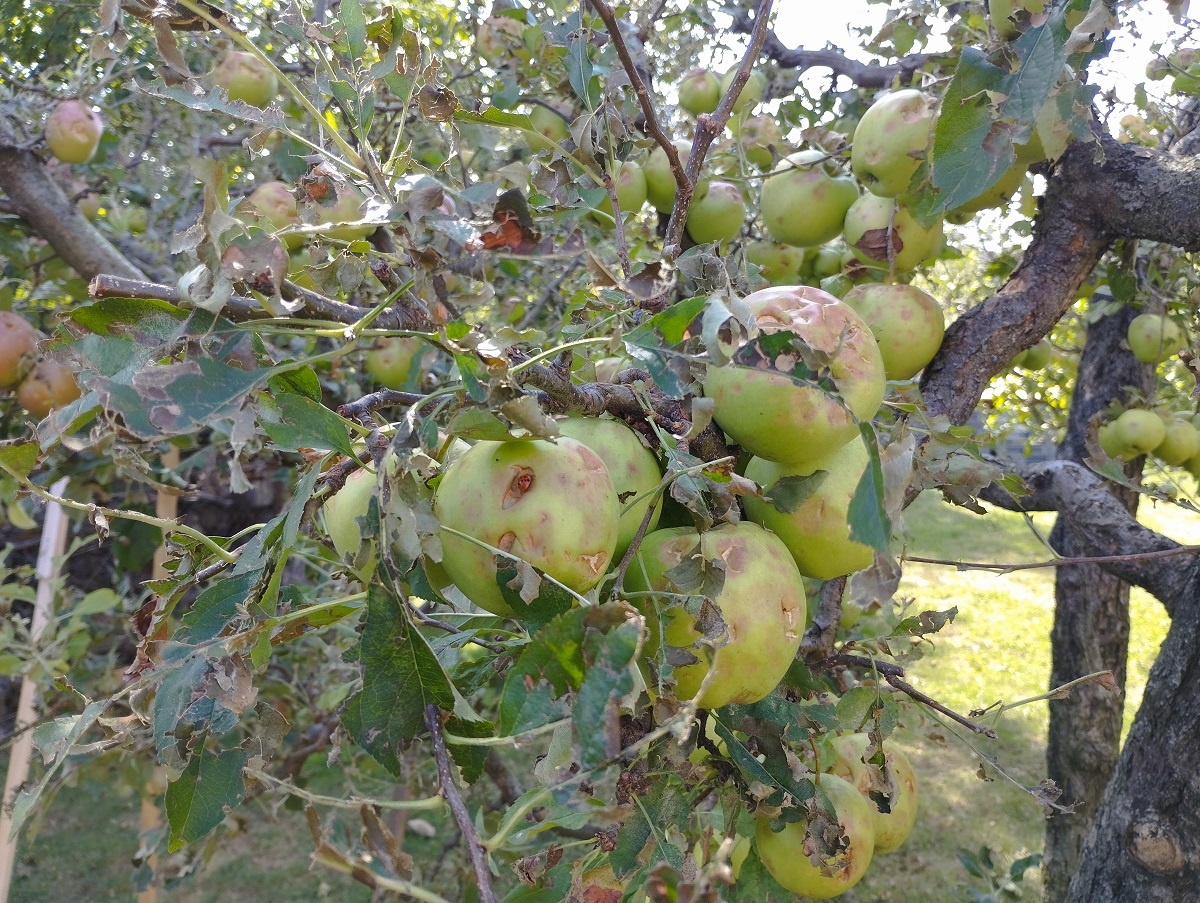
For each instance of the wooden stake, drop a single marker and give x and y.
(54, 541)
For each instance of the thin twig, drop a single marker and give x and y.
(627, 559)
(383, 398)
(821, 634)
(618, 224)
(1000, 568)
(466, 826)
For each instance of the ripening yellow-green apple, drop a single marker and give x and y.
(1002, 13)
(18, 348)
(275, 201)
(760, 139)
(553, 127)
(1111, 443)
(389, 361)
(73, 132)
(498, 37)
(700, 92)
(761, 602)
(774, 417)
(89, 204)
(896, 780)
(347, 209)
(780, 263)
(867, 228)
(632, 467)
(804, 200)
(1140, 431)
(828, 261)
(630, 183)
(1153, 338)
(907, 323)
(997, 196)
(245, 77)
(785, 855)
(551, 504)
(717, 213)
(892, 140)
(49, 385)
(1180, 444)
(660, 181)
(1035, 357)
(342, 511)
(752, 91)
(817, 532)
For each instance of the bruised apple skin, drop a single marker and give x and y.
(48, 386)
(783, 852)
(817, 533)
(18, 348)
(907, 323)
(632, 467)
(73, 132)
(551, 504)
(761, 602)
(891, 140)
(868, 222)
(773, 417)
(891, 828)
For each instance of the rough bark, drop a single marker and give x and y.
(1091, 620)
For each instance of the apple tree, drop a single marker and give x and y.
(562, 371)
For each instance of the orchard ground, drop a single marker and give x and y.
(997, 649)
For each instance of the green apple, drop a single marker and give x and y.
(1035, 357)
(896, 780)
(660, 181)
(760, 140)
(761, 602)
(18, 348)
(1153, 338)
(497, 37)
(817, 533)
(907, 323)
(804, 201)
(551, 504)
(828, 261)
(73, 132)
(781, 264)
(785, 853)
(48, 386)
(1139, 430)
(389, 362)
(245, 77)
(128, 219)
(1111, 443)
(867, 223)
(1180, 444)
(346, 209)
(717, 213)
(631, 191)
(553, 127)
(892, 140)
(89, 204)
(774, 417)
(699, 92)
(275, 201)
(752, 91)
(342, 512)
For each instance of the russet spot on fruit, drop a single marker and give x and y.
(802, 203)
(907, 323)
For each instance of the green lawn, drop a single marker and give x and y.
(997, 649)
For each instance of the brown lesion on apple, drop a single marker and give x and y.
(519, 486)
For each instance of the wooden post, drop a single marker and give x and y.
(54, 540)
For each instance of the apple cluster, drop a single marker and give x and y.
(41, 384)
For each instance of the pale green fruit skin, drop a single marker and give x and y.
(1035, 357)
(18, 348)
(891, 828)
(781, 264)
(48, 386)
(73, 132)
(89, 205)
(752, 91)
(775, 418)
(699, 92)
(762, 603)
(1192, 466)
(1180, 444)
(827, 262)
(1110, 442)
(717, 213)
(552, 127)
(891, 140)
(802, 204)
(760, 139)
(342, 511)
(631, 191)
(1049, 139)
(347, 207)
(564, 523)
(1153, 338)
(818, 532)
(907, 323)
(389, 362)
(783, 853)
(872, 213)
(245, 77)
(996, 196)
(1140, 431)
(660, 181)
(275, 201)
(632, 467)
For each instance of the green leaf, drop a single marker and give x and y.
(401, 676)
(295, 512)
(18, 457)
(869, 523)
(755, 884)
(301, 381)
(304, 423)
(789, 493)
(579, 64)
(355, 23)
(664, 807)
(197, 800)
(609, 679)
(185, 670)
(157, 320)
(217, 606)
(854, 708)
(551, 599)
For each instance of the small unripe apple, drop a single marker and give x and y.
(752, 91)
(18, 348)
(1153, 338)
(784, 852)
(892, 827)
(342, 511)
(761, 602)
(828, 261)
(804, 202)
(73, 132)
(717, 213)
(551, 504)
(347, 208)
(867, 226)
(1035, 357)
(1180, 443)
(700, 92)
(631, 191)
(550, 125)
(760, 139)
(892, 140)
(1110, 442)
(907, 323)
(780, 263)
(89, 205)
(48, 386)
(1139, 430)
(275, 201)
(660, 181)
(245, 77)
(497, 37)
(389, 361)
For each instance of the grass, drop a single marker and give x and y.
(998, 648)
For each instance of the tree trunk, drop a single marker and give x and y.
(1091, 622)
